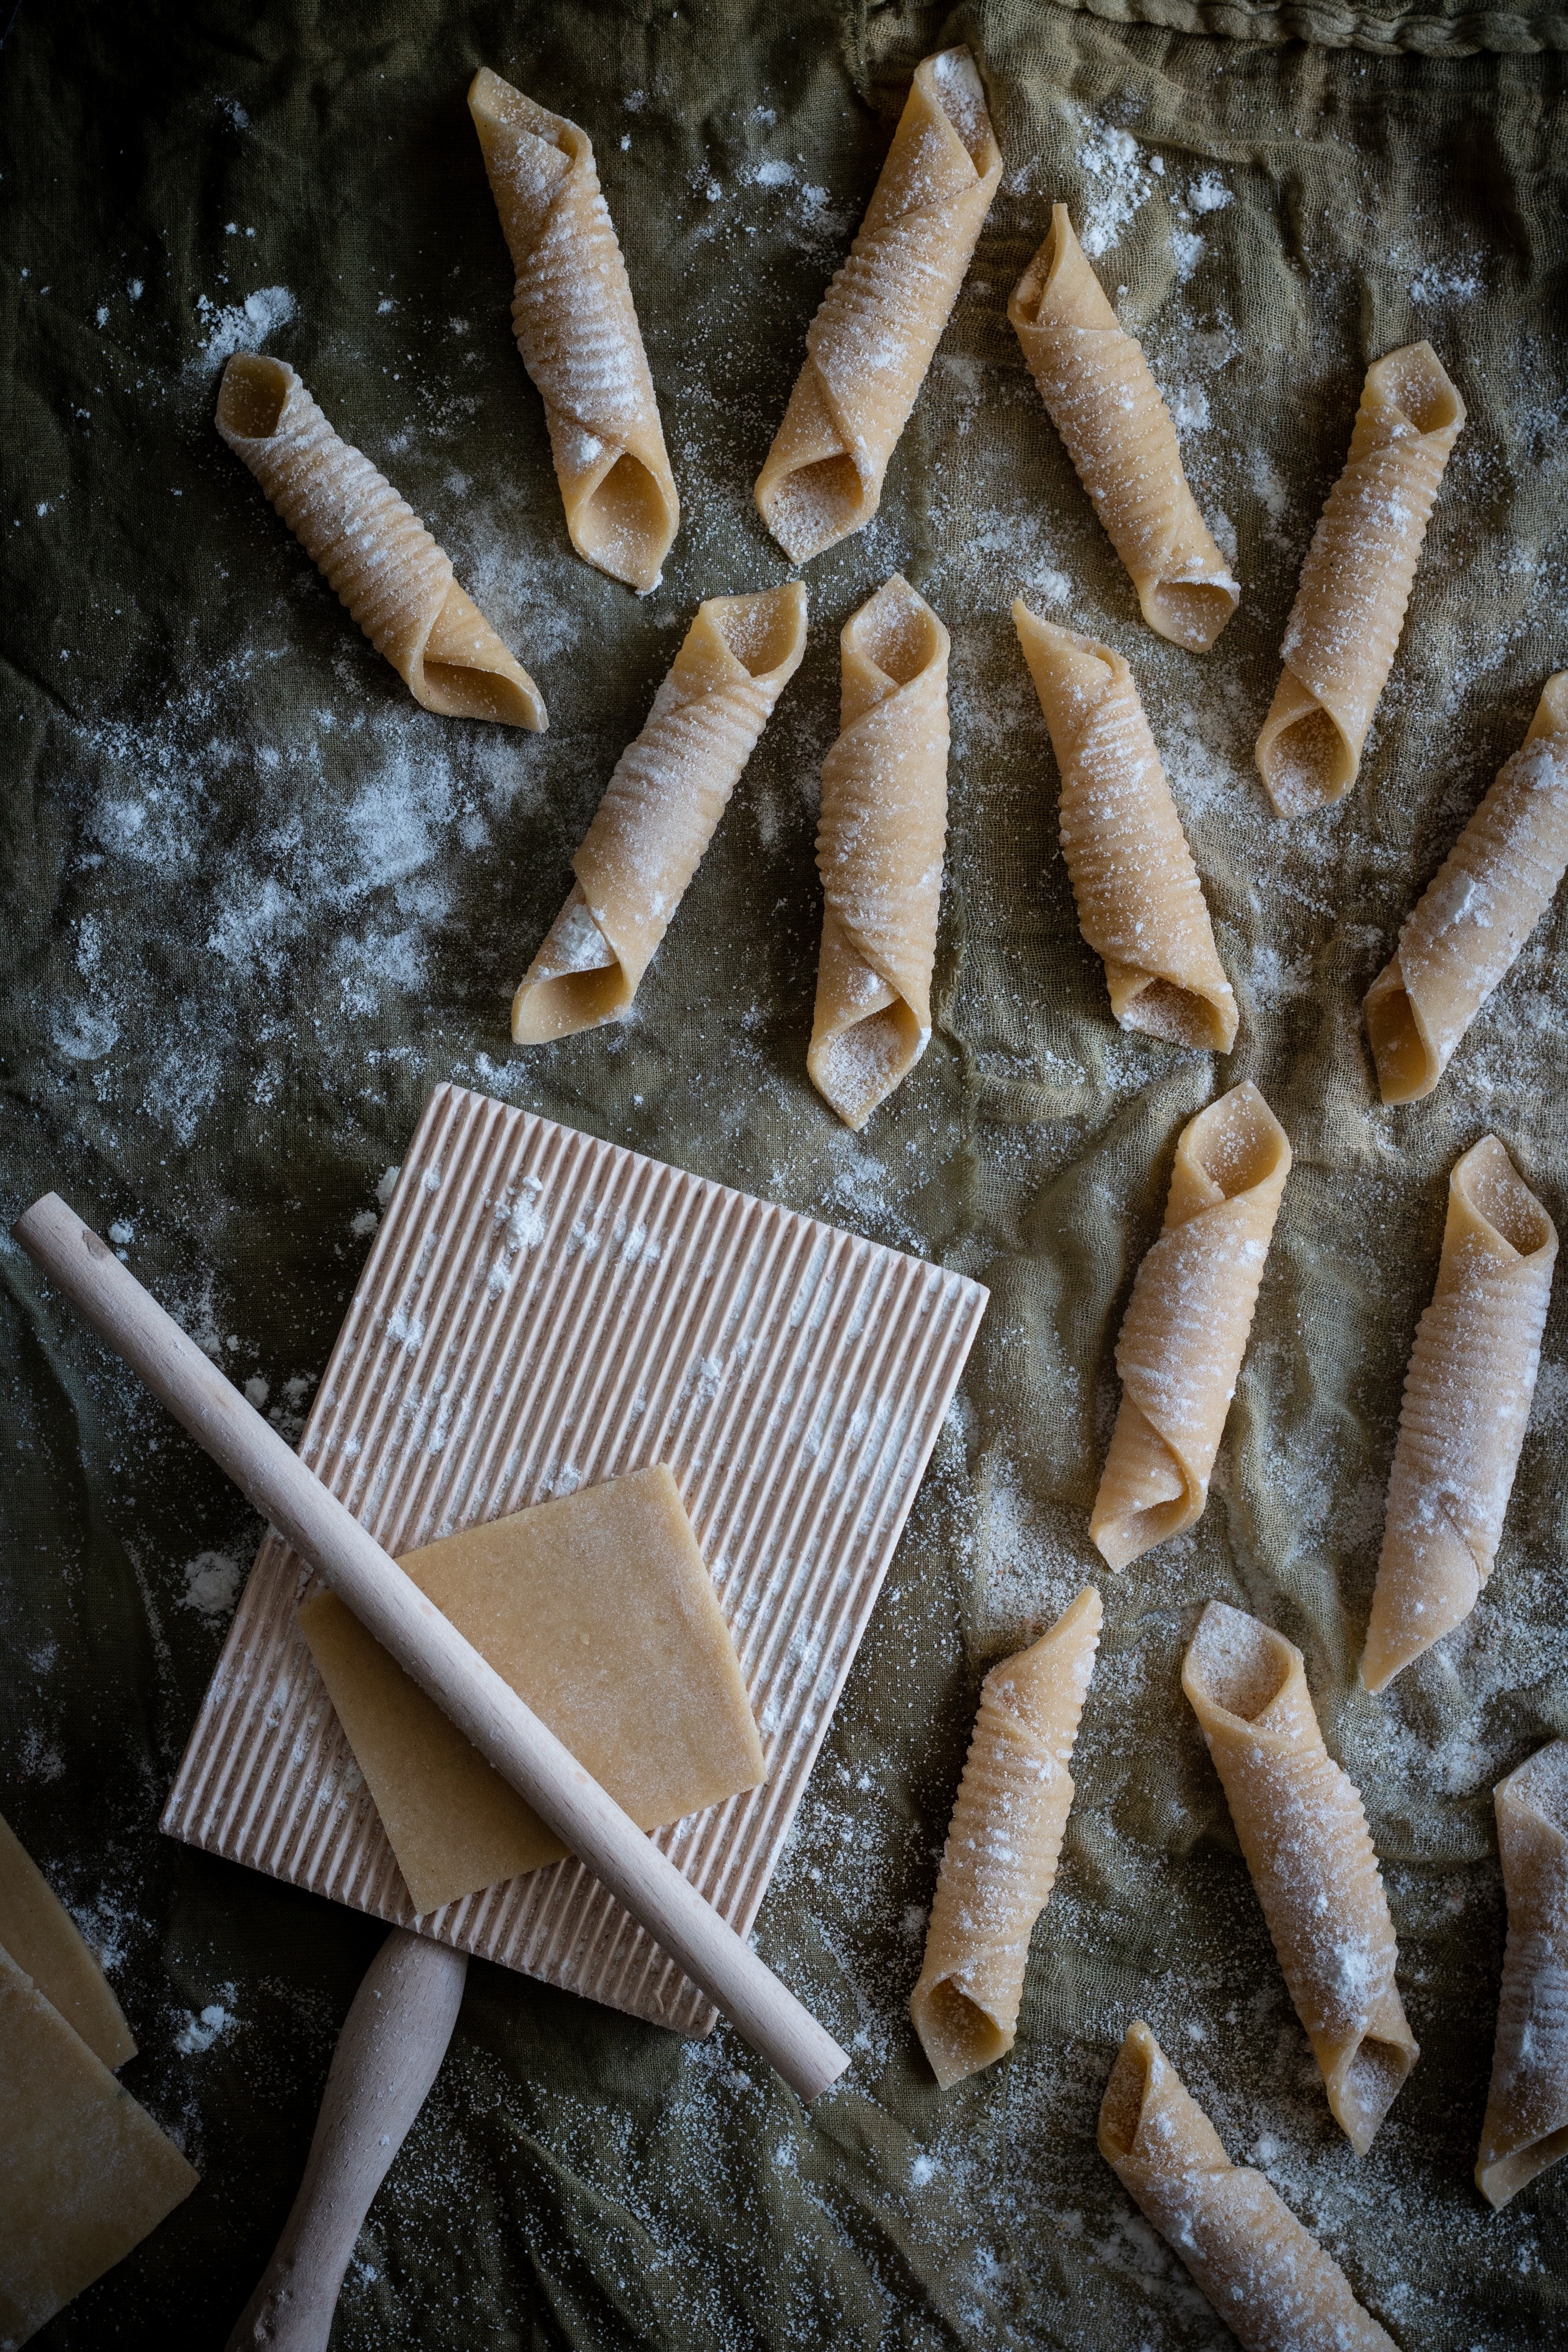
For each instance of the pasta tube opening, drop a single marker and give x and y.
(1122, 2109)
(251, 396)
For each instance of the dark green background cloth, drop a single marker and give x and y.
(257, 903)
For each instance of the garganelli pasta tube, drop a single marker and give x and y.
(373, 547)
(1477, 912)
(1102, 400)
(1467, 1393)
(577, 329)
(1185, 1332)
(669, 791)
(1000, 1861)
(1267, 2277)
(1139, 902)
(1526, 2125)
(1344, 626)
(879, 852)
(870, 344)
(1304, 1833)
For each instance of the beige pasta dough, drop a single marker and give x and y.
(1139, 902)
(869, 345)
(577, 329)
(667, 793)
(373, 547)
(879, 852)
(1267, 2277)
(1467, 1393)
(1185, 1331)
(1000, 1861)
(1304, 1833)
(1526, 2125)
(1345, 623)
(1102, 400)
(1477, 912)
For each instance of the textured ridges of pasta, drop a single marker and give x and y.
(373, 549)
(1102, 400)
(1139, 902)
(1304, 1833)
(1526, 2125)
(576, 327)
(1477, 912)
(1185, 1332)
(669, 791)
(1000, 1861)
(1267, 2277)
(871, 342)
(1345, 623)
(1467, 1393)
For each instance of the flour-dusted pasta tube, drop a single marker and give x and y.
(1468, 1391)
(1267, 2277)
(1185, 1331)
(1344, 626)
(1102, 400)
(1304, 1833)
(373, 547)
(1477, 912)
(1526, 2125)
(577, 327)
(869, 345)
(1000, 1861)
(1139, 902)
(669, 791)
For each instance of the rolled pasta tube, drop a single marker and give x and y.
(1185, 1331)
(1102, 400)
(1267, 2277)
(576, 327)
(1139, 902)
(669, 791)
(1304, 1833)
(373, 547)
(1477, 912)
(1000, 1861)
(870, 344)
(1468, 1391)
(1526, 2125)
(1345, 623)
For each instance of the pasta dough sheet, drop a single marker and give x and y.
(599, 1612)
(1468, 1395)
(1526, 2125)
(1102, 400)
(870, 344)
(42, 1937)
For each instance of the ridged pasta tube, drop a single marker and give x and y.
(1526, 2125)
(1467, 1393)
(375, 552)
(576, 327)
(870, 344)
(1102, 400)
(669, 791)
(1185, 1332)
(1000, 1861)
(1139, 902)
(1304, 1833)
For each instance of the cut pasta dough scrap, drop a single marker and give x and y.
(1477, 912)
(1467, 1393)
(1267, 2277)
(373, 547)
(1139, 902)
(879, 852)
(870, 344)
(1102, 400)
(667, 793)
(1304, 1833)
(1526, 2125)
(577, 327)
(1185, 1332)
(1000, 1861)
(1345, 623)
(43, 1938)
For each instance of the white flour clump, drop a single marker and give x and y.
(1120, 185)
(242, 326)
